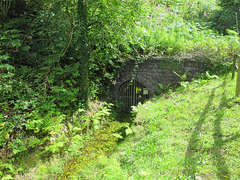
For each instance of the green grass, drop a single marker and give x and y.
(191, 133)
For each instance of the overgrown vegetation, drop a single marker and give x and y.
(46, 81)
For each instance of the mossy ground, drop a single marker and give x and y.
(100, 144)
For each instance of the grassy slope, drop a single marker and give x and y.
(193, 132)
(182, 134)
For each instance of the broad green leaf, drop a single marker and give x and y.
(7, 67)
(33, 55)
(4, 37)
(20, 149)
(15, 35)
(26, 48)
(77, 138)
(60, 144)
(19, 169)
(14, 31)
(117, 135)
(14, 43)
(128, 131)
(33, 142)
(7, 166)
(4, 57)
(7, 177)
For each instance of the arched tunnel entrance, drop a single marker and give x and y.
(131, 93)
(148, 75)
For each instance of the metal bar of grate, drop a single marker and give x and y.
(131, 93)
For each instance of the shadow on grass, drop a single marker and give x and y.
(192, 155)
(220, 163)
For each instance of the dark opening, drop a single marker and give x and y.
(131, 93)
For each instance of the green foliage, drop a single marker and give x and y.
(50, 133)
(52, 126)
(183, 78)
(163, 89)
(87, 156)
(4, 134)
(109, 38)
(135, 109)
(227, 17)
(208, 76)
(228, 3)
(8, 171)
(9, 42)
(112, 169)
(83, 50)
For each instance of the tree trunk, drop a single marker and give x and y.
(83, 51)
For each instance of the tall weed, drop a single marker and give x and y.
(173, 27)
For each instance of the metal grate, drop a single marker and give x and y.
(131, 93)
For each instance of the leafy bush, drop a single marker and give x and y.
(227, 17)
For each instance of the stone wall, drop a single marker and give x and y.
(157, 70)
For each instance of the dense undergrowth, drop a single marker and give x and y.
(41, 113)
